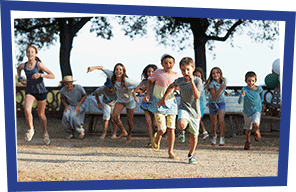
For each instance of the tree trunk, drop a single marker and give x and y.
(66, 40)
(199, 27)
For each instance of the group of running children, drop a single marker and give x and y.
(159, 103)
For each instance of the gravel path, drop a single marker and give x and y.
(94, 159)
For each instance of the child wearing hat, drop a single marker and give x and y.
(73, 97)
(108, 104)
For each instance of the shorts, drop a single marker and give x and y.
(129, 105)
(107, 111)
(250, 120)
(192, 122)
(38, 96)
(163, 121)
(215, 107)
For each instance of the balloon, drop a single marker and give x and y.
(276, 67)
(272, 80)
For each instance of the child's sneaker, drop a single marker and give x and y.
(192, 160)
(257, 135)
(222, 141)
(181, 136)
(213, 142)
(247, 146)
(205, 135)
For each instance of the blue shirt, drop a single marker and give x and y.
(252, 100)
(216, 86)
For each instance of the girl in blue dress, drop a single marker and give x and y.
(149, 116)
(35, 90)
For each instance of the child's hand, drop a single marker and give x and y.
(160, 103)
(77, 109)
(242, 93)
(23, 82)
(36, 75)
(137, 99)
(101, 106)
(146, 99)
(90, 69)
(66, 109)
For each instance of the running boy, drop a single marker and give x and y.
(189, 108)
(165, 116)
(252, 96)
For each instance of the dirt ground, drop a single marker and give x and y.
(109, 159)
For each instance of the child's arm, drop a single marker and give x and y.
(195, 91)
(19, 70)
(167, 92)
(42, 67)
(100, 105)
(77, 108)
(65, 104)
(215, 95)
(90, 69)
(241, 97)
(136, 90)
(147, 96)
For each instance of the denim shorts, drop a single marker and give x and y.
(129, 105)
(215, 107)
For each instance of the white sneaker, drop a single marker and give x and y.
(213, 142)
(222, 141)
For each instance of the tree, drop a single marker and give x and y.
(45, 32)
(199, 33)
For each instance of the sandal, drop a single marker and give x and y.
(205, 135)
(154, 144)
(247, 146)
(149, 144)
(29, 135)
(46, 139)
(81, 136)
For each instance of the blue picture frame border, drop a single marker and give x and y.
(9, 102)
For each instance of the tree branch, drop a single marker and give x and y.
(80, 24)
(29, 29)
(228, 33)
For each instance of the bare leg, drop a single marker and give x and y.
(105, 124)
(115, 116)
(29, 100)
(171, 140)
(149, 119)
(41, 113)
(193, 143)
(114, 130)
(221, 122)
(214, 123)
(130, 123)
